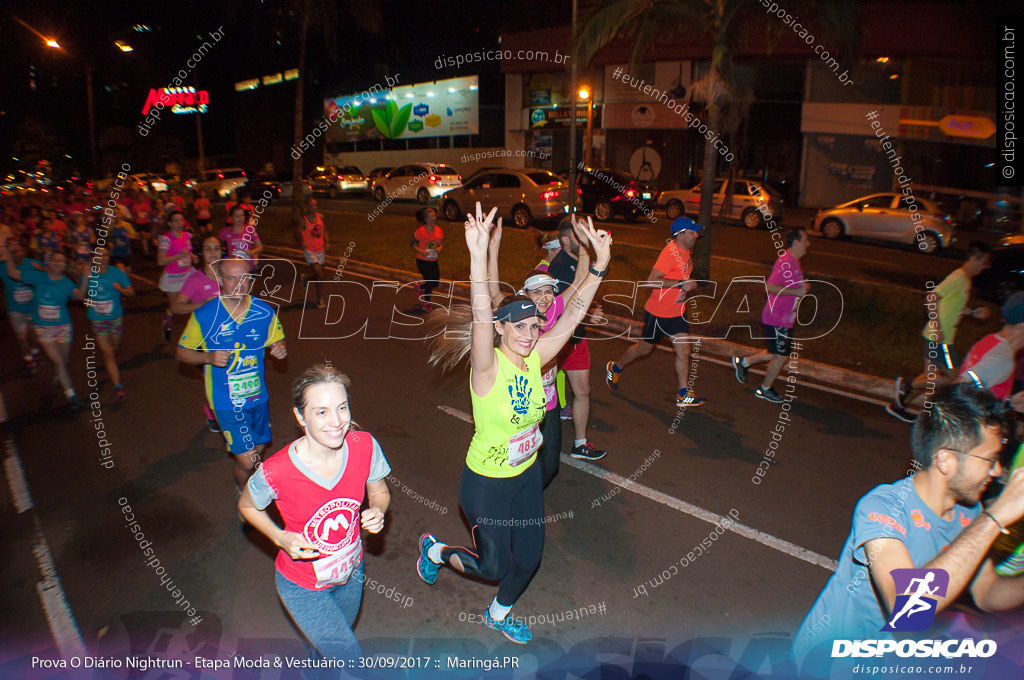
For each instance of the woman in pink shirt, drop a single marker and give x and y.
(174, 254)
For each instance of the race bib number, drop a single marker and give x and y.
(524, 444)
(244, 385)
(103, 307)
(431, 253)
(22, 295)
(49, 312)
(337, 568)
(548, 381)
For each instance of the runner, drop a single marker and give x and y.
(501, 490)
(540, 288)
(106, 285)
(199, 288)
(575, 359)
(312, 236)
(945, 306)
(80, 239)
(50, 318)
(48, 239)
(21, 303)
(663, 313)
(990, 363)
(241, 239)
(228, 336)
(786, 287)
(202, 208)
(427, 243)
(174, 254)
(932, 519)
(550, 244)
(121, 237)
(143, 214)
(319, 482)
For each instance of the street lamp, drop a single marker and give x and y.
(588, 144)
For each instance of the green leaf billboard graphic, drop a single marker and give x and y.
(392, 120)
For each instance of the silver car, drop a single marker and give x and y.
(887, 217)
(750, 200)
(422, 181)
(522, 195)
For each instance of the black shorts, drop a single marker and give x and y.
(778, 340)
(658, 327)
(940, 355)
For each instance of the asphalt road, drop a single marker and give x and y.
(873, 262)
(615, 561)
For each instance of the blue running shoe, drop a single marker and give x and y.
(514, 629)
(426, 567)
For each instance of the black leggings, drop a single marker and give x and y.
(507, 515)
(431, 273)
(551, 450)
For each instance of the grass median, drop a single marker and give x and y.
(874, 329)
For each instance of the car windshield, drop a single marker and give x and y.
(349, 170)
(543, 177)
(442, 170)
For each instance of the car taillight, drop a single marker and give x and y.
(460, 178)
(432, 179)
(549, 195)
(631, 193)
(579, 192)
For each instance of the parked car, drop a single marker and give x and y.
(886, 217)
(337, 180)
(749, 198)
(422, 181)
(257, 186)
(220, 182)
(606, 193)
(522, 195)
(148, 182)
(374, 175)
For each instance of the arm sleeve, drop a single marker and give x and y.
(379, 468)
(192, 338)
(877, 516)
(261, 491)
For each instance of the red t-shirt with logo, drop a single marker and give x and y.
(328, 518)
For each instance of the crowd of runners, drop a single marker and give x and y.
(528, 353)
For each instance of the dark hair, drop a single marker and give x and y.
(977, 249)
(955, 420)
(170, 215)
(565, 227)
(793, 235)
(235, 207)
(314, 375)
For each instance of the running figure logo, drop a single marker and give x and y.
(917, 591)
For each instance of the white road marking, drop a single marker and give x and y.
(698, 512)
(58, 613)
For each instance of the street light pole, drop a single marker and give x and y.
(92, 119)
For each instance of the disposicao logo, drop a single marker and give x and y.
(918, 592)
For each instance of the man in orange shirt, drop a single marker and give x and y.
(663, 313)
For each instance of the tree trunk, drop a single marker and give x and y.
(702, 249)
(298, 193)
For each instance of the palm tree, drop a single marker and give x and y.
(652, 21)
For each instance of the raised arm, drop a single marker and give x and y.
(582, 269)
(493, 275)
(481, 351)
(551, 343)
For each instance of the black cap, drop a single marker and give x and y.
(517, 310)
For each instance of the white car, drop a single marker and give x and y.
(749, 199)
(887, 217)
(422, 181)
(220, 182)
(147, 181)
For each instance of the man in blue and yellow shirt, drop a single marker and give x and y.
(227, 336)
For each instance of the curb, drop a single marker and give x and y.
(843, 380)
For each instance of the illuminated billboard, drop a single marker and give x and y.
(436, 109)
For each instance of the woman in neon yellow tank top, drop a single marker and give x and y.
(501, 491)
